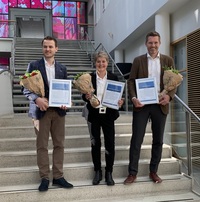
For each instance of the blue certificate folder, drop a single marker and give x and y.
(112, 87)
(147, 90)
(60, 93)
(148, 84)
(112, 94)
(60, 86)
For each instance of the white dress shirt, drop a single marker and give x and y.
(101, 83)
(50, 71)
(154, 69)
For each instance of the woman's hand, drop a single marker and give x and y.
(121, 102)
(88, 96)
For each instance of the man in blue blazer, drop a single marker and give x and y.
(48, 119)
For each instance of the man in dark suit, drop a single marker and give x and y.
(48, 119)
(148, 65)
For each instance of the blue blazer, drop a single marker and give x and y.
(60, 73)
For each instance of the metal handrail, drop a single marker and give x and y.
(187, 108)
(100, 46)
(188, 113)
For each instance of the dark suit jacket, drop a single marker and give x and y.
(112, 113)
(139, 69)
(60, 73)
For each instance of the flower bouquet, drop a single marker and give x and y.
(33, 82)
(82, 82)
(171, 79)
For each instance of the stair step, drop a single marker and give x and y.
(26, 102)
(75, 141)
(89, 192)
(30, 174)
(71, 119)
(22, 97)
(8, 132)
(72, 155)
(24, 109)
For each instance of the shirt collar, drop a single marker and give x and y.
(46, 64)
(158, 56)
(100, 77)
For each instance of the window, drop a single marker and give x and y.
(65, 15)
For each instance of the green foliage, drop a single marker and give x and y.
(79, 74)
(27, 75)
(171, 69)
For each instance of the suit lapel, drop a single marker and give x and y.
(57, 71)
(43, 71)
(145, 66)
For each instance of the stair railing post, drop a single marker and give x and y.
(188, 134)
(126, 96)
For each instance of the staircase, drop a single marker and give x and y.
(19, 177)
(69, 54)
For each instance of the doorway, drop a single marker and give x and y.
(32, 23)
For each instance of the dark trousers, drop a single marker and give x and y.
(140, 119)
(107, 125)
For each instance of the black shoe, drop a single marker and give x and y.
(61, 182)
(44, 186)
(109, 179)
(97, 177)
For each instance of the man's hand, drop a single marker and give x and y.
(42, 103)
(164, 100)
(63, 107)
(137, 103)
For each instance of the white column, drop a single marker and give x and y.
(119, 56)
(6, 101)
(162, 25)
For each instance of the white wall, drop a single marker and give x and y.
(122, 18)
(135, 49)
(124, 24)
(6, 101)
(185, 20)
(6, 44)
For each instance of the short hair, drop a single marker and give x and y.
(50, 38)
(154, 33)
(102, 54)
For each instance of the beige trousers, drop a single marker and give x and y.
(52, 124)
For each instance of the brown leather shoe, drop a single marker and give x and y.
(130, 179)
(155, 177)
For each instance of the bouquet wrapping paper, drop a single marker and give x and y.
(33, 82)
(83, 83)
(171, 80)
